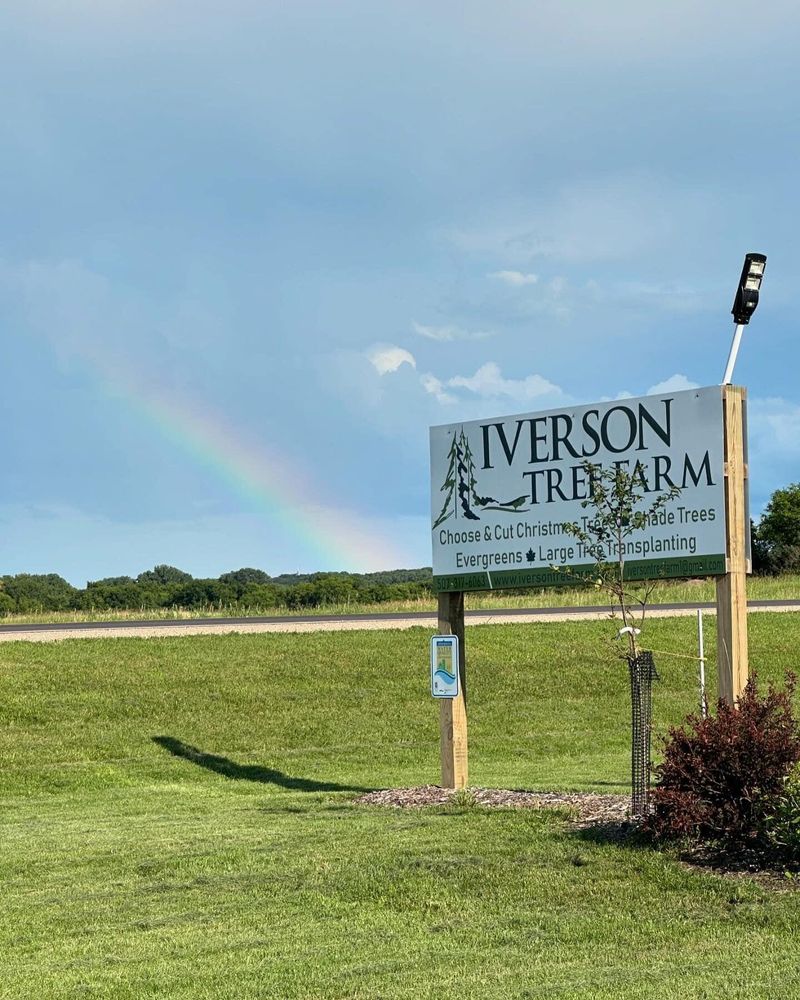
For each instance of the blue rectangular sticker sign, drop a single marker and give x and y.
(444, 666)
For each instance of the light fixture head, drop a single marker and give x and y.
(746, 300)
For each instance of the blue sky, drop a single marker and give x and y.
(326, 226)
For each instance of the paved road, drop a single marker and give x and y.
(309, 623)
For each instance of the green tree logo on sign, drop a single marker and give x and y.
(460, 486)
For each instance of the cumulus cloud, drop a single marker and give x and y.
(488, 383)
(675, 383)
(444, 333)
(436, 388)
(517, 279)
(388, 358)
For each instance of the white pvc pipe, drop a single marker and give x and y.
(737, 339)
(702, 663)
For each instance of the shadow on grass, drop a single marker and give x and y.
(617, 833)
(247, 772)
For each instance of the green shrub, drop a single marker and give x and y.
(782, 826)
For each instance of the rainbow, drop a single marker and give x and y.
(337, 539)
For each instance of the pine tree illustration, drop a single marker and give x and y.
(449, 484)
(469, 462)
(466, 476)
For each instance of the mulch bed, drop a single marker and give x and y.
(590, 808)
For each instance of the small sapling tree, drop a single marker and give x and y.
(620, 507)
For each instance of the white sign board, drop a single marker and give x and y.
(444, 666)
(501, 490)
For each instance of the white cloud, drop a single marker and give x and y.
(624, 394)
(444, 333)
(517, 279)
(436, 388)
(675, 383)
(488, 383)
(385, 359)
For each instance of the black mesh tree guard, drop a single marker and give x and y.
(642, 672)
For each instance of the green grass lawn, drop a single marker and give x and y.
(176, 820)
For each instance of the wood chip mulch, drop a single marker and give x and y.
(591, 809)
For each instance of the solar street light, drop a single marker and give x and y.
(744, 305)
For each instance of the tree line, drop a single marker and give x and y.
(776, 537)
(776, 549)
(169, 587)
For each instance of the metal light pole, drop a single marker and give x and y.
(727, 378)
(744, 305)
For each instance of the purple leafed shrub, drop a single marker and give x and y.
(722, 775)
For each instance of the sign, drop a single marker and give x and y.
(444, 666)
(501, 490)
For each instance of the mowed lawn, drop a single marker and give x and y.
(177, 820)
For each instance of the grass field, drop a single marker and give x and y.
(786, 587)
(176, 820)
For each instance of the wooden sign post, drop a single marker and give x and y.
(453, 711)
(732, 660)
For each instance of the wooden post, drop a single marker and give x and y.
(453, 711)
(732, 662)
